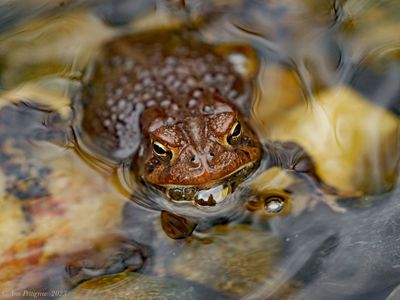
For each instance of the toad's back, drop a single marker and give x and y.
(169, 71)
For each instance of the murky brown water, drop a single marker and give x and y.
(77, 226)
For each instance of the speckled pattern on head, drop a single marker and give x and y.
(168, 87)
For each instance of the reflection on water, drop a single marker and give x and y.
(328, 79)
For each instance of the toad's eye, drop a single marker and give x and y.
(235, 133)
(161, 151)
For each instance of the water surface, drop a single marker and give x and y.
(328, 79)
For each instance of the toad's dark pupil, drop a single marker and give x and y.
(237, 130)
(159, 150)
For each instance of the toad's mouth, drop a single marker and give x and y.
(212, 194)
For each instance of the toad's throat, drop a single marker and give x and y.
(212, 193)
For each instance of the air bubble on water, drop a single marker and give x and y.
(274, 205)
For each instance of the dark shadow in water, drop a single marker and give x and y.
(380, 87)
(351, 255)
(114, 12)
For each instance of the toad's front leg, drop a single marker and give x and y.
(291, 156)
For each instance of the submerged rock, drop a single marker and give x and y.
(354, 154)
(235, 259)
(140, 287)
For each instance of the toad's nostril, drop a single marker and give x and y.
(210, 156)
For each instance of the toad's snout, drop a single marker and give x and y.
(200, 160)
